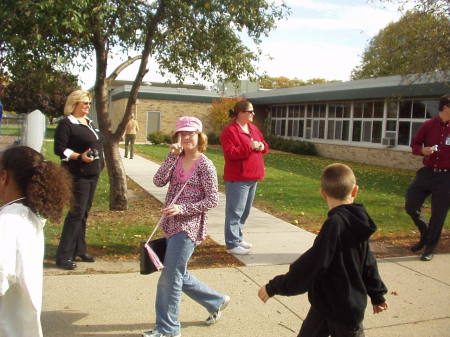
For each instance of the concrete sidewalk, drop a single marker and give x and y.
(111, 298)
(276, 241)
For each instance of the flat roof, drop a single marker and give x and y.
(374, 88)
(166, 93)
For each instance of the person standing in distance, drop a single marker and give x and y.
(78, 144)
(243, 146)
(432, 141)
(130, 135)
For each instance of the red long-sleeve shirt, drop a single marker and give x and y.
(433, 132)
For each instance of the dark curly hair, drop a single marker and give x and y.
(46, 185)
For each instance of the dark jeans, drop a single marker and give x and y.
(317, 325)
(436, 184)
(72, 242)
(129, 140)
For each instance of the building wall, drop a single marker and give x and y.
(372, 156)
(117, 112)
(170, 112)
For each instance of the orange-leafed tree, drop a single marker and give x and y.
(219, 112)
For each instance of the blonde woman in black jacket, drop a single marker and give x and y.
(78, 144)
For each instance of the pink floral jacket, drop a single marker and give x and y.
(199, 195)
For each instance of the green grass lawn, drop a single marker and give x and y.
(291, 189)
(112, 235)
(11, 129)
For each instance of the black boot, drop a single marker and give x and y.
(423, 235)
(418, 246)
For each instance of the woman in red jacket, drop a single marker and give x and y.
(243, 146)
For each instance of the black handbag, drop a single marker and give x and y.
(152, 255)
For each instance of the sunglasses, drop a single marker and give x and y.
(86, 103)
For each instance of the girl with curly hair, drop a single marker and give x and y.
(31, 190)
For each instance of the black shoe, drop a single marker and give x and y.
(66, 264)
(418, 246)
(427, 257)
(86, 257)
(427, 253)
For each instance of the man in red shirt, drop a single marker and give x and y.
(432, 141)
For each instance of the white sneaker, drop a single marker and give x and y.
(156, 333)
(238, 251)
(215, 316)
(246, 245)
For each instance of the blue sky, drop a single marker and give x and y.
(320, 39)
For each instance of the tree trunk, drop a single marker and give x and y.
(118, 200)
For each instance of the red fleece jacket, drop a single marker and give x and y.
(241, 162)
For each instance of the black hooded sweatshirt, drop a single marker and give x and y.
(339, 270)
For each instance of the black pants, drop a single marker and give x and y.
(129, 140)
(438, 185)
(73, 242)
(317, 325)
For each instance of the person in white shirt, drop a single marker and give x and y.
(32, 190)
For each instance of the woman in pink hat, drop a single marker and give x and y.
(185, 226)
(243, 148)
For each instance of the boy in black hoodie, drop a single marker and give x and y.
(339, 270)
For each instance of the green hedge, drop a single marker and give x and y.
(290, 145)
(159, 138)
(213, 138)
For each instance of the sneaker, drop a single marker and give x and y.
(238, 251)
(215, 316)
(156, 333)
(246, 245)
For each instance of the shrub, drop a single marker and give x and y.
(290, 145)
(213, 138)
(159, 138)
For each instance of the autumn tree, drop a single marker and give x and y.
(417, 43)
(187, 38)
(267, 82)
(219, 112)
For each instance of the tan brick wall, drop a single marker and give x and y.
(117, 111)
(383, 157)
(170, 112)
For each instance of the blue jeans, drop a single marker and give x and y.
(175, 279)
(239, 200)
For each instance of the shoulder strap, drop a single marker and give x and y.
(173, 201)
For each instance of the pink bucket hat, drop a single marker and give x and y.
(188, 124)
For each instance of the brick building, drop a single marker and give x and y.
(370, 121)
(158, 106)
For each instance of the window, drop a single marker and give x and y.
(412, 114)
(403, 133)
(405, 109)
(338, 121)
(356, 122)
(376, 131)
(301, 124)
(367, 121)
(356, 131)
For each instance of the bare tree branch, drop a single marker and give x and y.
(120, 68)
